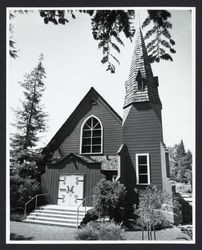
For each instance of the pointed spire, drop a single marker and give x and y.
(141, 86)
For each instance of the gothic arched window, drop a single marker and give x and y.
(91, 136)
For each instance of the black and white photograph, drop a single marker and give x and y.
(100, 125)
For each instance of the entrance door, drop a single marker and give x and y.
(70, 189)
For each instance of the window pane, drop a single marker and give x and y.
(96, 149)
(97, 126)
(86, 149)
(95, 121)
(89, 122)
(143, 169)
(96, 141)
(86, 141)
(142, 159)
(87, 133)
(143, 179)
(86, 127)
(97, 133)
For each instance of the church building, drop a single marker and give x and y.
(96, 143)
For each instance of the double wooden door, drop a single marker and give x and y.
(71, 189)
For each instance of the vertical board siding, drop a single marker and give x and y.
(111, 129)
(91, 172)
(142, 133)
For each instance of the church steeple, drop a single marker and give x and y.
(141, 85)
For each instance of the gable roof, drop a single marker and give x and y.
(109, 162)
(56, 140)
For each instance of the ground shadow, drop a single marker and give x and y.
(19, 237)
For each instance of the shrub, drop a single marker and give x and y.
(184, 208)
(21, 191)
(17, 216)
(100, 231)
(91, 215)
(107, 197)
(150, 203)
(183, 188)
(159, 222)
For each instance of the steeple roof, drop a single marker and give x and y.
(141, 85)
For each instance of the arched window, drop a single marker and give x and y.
(91, 136)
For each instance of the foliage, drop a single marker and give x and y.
(16, 216)
(184, 208)
(12, 48)
(159, 35)
(151, 201)
(26, 162)
(100, 231)
(183, 188)
(31, 117)
(180, 163)
(109, 25)
(159, 221)
(107, 196)
(91, 215)
(22, 190)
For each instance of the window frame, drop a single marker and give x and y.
(148, 169)
(81, 136)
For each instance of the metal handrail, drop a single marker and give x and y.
(84, 200)
(35, 197)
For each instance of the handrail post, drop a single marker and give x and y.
(36, 202)
(25, 212)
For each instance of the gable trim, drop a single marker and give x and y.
(56, 139)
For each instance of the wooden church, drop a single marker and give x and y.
(96, 143)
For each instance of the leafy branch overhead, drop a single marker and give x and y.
(159, 35)
(108, 26)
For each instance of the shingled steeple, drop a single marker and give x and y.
(141, 85)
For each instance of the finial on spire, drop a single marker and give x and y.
(139, 20)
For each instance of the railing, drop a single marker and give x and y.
(36, 200)
(83, 201)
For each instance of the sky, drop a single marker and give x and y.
(72, 64)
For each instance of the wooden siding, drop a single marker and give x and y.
(142, 133)
(111, 129)
(91, 172)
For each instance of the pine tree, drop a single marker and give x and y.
(30, 118)
(180, 163)
(24, 156)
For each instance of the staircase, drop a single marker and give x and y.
(56, 215)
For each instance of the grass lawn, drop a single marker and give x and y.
(32, 232)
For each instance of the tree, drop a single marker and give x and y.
(31, 117)
(25, 158)
(107, 197)
(108, 26)
(180, 163)
(151, 201)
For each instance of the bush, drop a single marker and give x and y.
(183, 188)
(107, 197)
(100, 231)
(184, 208)
(159, 222)
(21, 191)
(16, 216)
(91, 215)
(150, 204)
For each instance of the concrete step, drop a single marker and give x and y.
(56, 215)
(50, 223)
(49, 211)
(44, 218)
